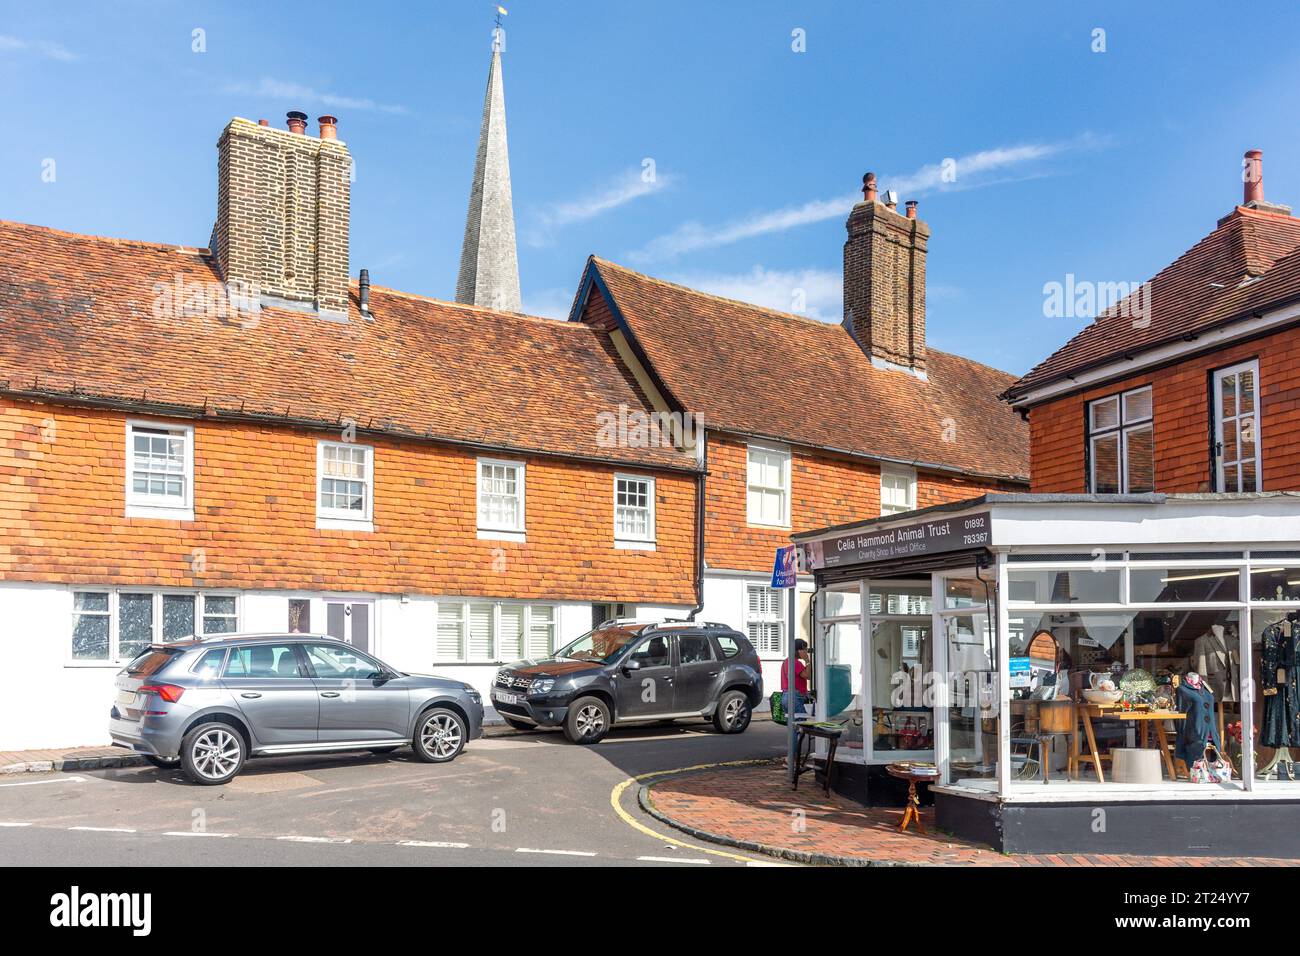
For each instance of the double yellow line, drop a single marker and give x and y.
(616, 801)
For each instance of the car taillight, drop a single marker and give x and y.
(168, 692)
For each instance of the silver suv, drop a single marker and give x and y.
(208, 704)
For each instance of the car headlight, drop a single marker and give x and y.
(541, 686)
(473, 695)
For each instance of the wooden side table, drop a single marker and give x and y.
(913, 774)
(1144, 720)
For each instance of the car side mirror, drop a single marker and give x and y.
(631, 664)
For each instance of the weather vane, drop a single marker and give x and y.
(496, 30)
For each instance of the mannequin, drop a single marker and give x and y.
(1280, 727)
(1213, 658)
(1196, 700)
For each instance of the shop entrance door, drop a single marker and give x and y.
(350, 622)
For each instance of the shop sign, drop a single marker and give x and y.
(905, 541)
(1021, 672)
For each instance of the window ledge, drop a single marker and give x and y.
(491, 534)
(631, 544)
(332, 523)
(769, 527)
(160, 512)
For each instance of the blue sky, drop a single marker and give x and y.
(1105, 165)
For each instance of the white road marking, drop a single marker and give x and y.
(674, 859)
(765, 863)
(197, 833)
(105, 829)
(312, 839)
(11, 824)
(438, 844)
(36, 783)
(525, 849)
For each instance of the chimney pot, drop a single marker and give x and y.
(869, 187)
(329, 127)
(1252, 177)
(911, 209)
(263, 122)
(297, 121)
(891, 199)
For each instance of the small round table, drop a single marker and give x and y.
(913, 773)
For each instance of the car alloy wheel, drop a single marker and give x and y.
(590, 721)
(216, 753)
(440, 736)
(734, 712)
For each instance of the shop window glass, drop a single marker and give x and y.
(90, 625)
(1186, 585)
(1080, 586)
(134, 624)
(842, 603)
(1121, 667)
(178, 616)
(902, 665)
(1275, 583)
(972, 695)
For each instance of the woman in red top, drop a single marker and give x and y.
(802, 668)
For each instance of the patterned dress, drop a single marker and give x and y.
(1278, 677)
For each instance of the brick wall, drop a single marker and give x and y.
(825, 489)
(283, 207)
(884, 283)
(61, 519)
(1180, 397)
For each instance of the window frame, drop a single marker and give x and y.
(500, 532)
(115, 658)
(1217, 421)
(786, 456)
(647, 542)
(160, 507)
(899, 471)
(463, 605)
(779, 619)
(345, 519)
(1121, 431)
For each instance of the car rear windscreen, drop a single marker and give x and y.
(152, 661)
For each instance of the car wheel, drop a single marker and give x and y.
(163, 763)
(517, 724)
(212, 753)
(588, 720)
(733, 713)
(439, 736)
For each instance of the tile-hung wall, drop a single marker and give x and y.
(220, 525)
(1181, 402)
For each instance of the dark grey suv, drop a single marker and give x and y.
(629, 673)
(207, 705)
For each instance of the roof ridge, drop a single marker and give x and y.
(115, 240)
(720, 298)
(463, 306)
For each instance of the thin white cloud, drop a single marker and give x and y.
(816, 293)
(296, 92)
(623, 189)
(967, 172)
(549, 303)
(51, 51)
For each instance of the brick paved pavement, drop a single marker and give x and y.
(754, 806)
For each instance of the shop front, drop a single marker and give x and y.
(1094, 674)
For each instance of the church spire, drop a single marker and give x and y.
(489, 265)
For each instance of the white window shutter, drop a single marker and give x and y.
(450, 644)
(512, 632)
(480, 632)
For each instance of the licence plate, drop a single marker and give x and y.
(126, 697)
(505, 698)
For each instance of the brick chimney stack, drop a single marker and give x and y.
(283, 202)
(884, 282)
(1252, 180)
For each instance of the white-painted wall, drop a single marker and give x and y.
(52, 702)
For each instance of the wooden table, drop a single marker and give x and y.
(1086, 713)
(808, 730)
(905, 770)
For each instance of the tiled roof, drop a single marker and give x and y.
(1247, 263)
(80, 312)
(765, 373)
